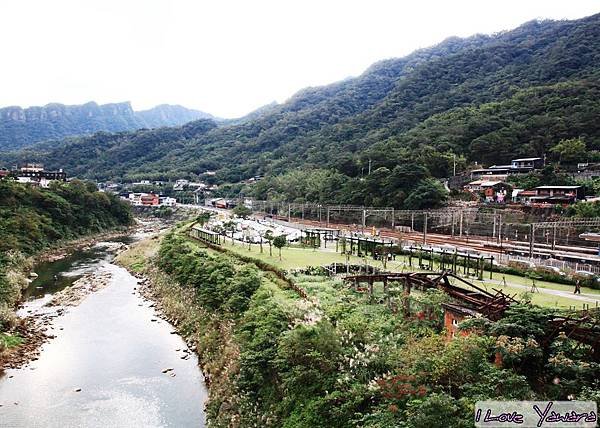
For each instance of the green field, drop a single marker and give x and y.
(297, 257)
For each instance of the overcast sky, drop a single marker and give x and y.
(226, 57)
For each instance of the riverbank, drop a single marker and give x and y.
(34, 327)
(62, 250)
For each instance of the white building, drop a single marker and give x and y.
(165, 201)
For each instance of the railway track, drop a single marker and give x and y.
(417, 237)
(479, 244)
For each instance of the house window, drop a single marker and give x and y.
(454, 322)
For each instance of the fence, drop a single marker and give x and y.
(563, 265)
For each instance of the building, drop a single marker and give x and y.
(150, 200)
(453, 316)
(491, 191)
(165, 201)
(551, 195)
(493, 173)
(501, 172)
(222, 203)
(527, 163)
(34, 174)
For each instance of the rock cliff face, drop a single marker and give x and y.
(22, 127)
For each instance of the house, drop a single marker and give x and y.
(4, 173)
(501, 172)
(527, 163)
(165, 201)
(491, 191)
(493, 173)
(34, 174)
(552, 195)
(453, 316)
(149, 200)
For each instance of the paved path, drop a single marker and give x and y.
(584, 297)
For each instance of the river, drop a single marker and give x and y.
(105, 366)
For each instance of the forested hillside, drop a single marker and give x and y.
(482, 99)
(23, 127)
(32, 218)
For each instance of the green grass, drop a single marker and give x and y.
(291, 257)
(10, 341)
(296, 257)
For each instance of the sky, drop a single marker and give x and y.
(226, 57)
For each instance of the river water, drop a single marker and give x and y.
(105, 366)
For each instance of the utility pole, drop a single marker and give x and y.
(369, 166)
(454, 164)
(364, 223)
(425, 230)
(500, 229)
(531, 240)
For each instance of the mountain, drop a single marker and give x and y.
(169, 115)
(486, 98)
(22, 127)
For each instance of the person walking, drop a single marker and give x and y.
(577, 287)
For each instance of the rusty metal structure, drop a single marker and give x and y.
(583, 327)
(490, 305)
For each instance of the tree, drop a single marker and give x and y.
(572, 150)
(429, 193)
(203, 218)
(242, 211)
(269, 238)
(280, 242)
(231, 226)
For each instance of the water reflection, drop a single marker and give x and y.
(104, 368)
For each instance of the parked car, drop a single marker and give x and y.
(550, 269)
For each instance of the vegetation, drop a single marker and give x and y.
(386, 135)
(242, 211)
(279, 242)
(338, 359)
(32, 218)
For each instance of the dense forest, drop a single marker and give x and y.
(32, 218)
(24, 127)
(380, 137)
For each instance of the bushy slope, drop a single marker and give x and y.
(32, 218)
